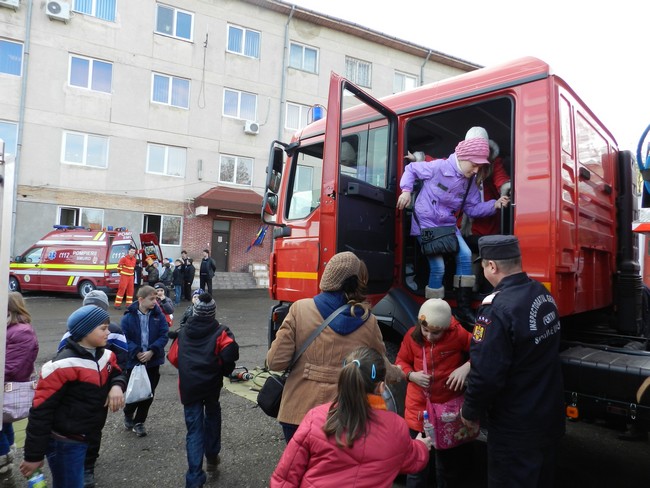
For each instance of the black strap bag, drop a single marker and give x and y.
(441, 240)
(270, 395)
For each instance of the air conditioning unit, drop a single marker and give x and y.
(14, 4)
(251, 127)
(58, 10)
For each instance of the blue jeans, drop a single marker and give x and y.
(178, 291)
(66, 461)
(203, 422)
(6, 438)
(437, 263)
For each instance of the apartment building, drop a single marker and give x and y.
(158, 116)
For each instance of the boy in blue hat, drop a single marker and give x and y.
(73, 392)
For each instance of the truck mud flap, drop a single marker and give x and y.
(598, 382)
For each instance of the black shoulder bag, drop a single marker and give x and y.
(440, 240)
(270, 394)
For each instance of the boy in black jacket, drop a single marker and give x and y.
(70, 403)
(204, 353)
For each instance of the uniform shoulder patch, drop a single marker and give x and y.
(488, 299)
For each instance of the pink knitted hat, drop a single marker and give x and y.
(475, 150)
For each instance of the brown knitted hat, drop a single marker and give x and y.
(338, 269)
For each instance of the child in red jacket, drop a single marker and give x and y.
(443, 343)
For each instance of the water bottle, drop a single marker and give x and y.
(428, 426)
(37, 480)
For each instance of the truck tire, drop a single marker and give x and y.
(86, 287)
(14, 285)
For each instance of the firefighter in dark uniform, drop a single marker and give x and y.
(516, 381)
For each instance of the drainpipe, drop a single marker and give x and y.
(21, 119)
(426, 60)
(285, 62)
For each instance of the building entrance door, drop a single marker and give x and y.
(220, 243)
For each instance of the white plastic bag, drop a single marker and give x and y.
(139, 387)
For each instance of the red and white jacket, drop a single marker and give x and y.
(70, 397)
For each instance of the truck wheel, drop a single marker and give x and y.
(14, 285)
(86, 287)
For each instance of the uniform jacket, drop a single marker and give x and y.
(443, 357)
(116, 343)
(21, 352)
(443, 189)
(70, 397)
(158, 330)
(313, 380)
(207, 351)
(516, 372)
(126, 265)
(208, 267)
(313, 460)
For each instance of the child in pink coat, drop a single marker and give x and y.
(353, 441)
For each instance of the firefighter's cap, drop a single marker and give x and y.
(498, 247)
(84, 320)
(342, 266)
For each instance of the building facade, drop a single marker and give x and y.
(158, 116)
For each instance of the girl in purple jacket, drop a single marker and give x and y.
(444, 186)
(21, 352)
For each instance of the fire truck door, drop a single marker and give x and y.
(365, 180)
(28, 270)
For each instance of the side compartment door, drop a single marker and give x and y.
(359, 191)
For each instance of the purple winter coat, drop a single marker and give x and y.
(22, 349)
(443, 189)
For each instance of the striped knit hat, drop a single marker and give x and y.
(84, 320)
(205, 307)
(475, 150)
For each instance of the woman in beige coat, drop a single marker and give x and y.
(313, 379)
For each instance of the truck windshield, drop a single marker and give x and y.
(118, 251)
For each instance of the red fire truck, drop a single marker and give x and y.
(76, 260)
(334, 188)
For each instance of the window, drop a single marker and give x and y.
(243, 41)
(236, 170)
(303, 57)
(11, 57)
(9, 133)
(359, 72)
(173, 22)
(90, 218)
(85, 149)
(166, 160)
(102, 9)
(166, 227)
(403, 81)
(238, 104)
(297, 116)
(91, 74)
(170, 90)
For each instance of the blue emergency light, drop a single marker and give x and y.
(317, 112)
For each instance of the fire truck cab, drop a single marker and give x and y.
(334, 188)
(76, 260)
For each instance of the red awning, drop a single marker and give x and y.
(231, 199)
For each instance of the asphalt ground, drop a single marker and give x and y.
(590, 455)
